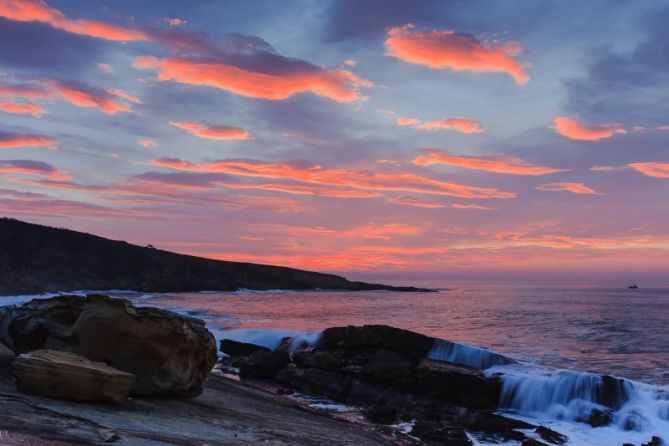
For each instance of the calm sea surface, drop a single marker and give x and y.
(598, 329)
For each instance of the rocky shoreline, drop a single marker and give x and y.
(70, 363)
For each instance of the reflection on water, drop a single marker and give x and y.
(604, 330)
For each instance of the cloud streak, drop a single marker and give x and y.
(39, 11)
(446, 49)
(75, 93)
(337, 84)
(28, 167)
(575, 188)
(462, 125)
(510, 166)
(17, 140)
(370, 182)
(207, 131)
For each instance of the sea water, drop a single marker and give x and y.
(551, 344)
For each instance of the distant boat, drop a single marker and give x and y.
(634, 286)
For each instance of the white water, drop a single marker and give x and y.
(466, 355)
(272, 338)
(565, 399)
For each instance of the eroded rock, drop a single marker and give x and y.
(170, 354)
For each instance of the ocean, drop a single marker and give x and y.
(565, 337)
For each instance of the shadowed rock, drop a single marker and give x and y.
(64, 375)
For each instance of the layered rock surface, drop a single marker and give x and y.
(64, 375)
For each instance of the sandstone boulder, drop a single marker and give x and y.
(170, 354)
(64, 375)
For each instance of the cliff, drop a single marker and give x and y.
(38, 259)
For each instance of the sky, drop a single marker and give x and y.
(382, 139)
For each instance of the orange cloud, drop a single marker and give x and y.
(407, 122)
(471, 206)
(651, 169)
(74, 93)
(511, 166)
(570, 128)
(336, 84)
(576, 188)
(462, 125)
(602, 168)
(207, 131)
(416, 202)
(16, 140)
(365, 181)
(38, 11)
(445, 49)
(18, 108)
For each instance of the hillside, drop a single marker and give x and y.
(37, 259)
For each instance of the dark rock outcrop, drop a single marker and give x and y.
(170, 354)
(264, 364)
(236, 348)
(64, 375)
(40, 259)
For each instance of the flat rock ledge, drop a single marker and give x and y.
(70, 376)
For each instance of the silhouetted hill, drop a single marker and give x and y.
(37, 259)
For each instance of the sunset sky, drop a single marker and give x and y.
(376, 139)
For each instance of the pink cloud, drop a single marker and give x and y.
(16, 140)
(445, 49)
(207, 131)
(471, 206)
(651, 169)
(572, 129)
(512, 166)
(416, 202)
(74, 93)
(28, 167)
(462, 125)
(19, 108)
(575, 188)
(39, 11)
(370, 182)
(147, 143)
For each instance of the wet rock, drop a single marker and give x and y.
(440, 433)
(612, 392)
(317, 359)
(170, 354)
(315, 381)
(236, 348)
(634, 421)
(381, 414)
(388, 366)
(598, 418)
(550, 435)
(533, 442)
(655, 441)
(498, 427)
(263, 364)
(64, 375)
(459, 385)
(410, 344)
